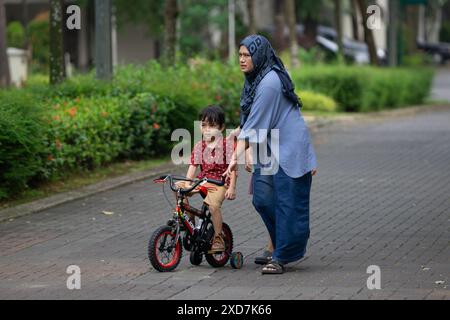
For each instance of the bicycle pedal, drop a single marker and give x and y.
(215, 252)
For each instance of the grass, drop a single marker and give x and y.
(77, 180)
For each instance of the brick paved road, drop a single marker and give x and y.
(382, 198)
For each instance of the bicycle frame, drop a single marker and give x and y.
(180, 217)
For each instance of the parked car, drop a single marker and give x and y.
(353, 50)
(439, 51)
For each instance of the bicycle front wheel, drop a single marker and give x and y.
(164, 254)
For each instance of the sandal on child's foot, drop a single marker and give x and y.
(218, 245)
(273, 267)
(265, 258)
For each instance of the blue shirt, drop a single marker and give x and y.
(272, 110)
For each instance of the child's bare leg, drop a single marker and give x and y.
(216, 217)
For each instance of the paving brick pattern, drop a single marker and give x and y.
(382, 197)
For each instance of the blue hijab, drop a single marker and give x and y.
(264, 60)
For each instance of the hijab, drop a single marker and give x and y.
(264, 60)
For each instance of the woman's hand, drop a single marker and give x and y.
(248, 160)
(230, 194)
(314, 172)
(235, 133)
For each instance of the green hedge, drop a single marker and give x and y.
(367, 88)
(47, 139)
(312, 101)
(22, 141)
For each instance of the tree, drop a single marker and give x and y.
(289, 10)
(103, 39)
(4, 65)
(411, 28)
(308, 12)
(170, 35)
(231, 30)
(338, 22)
(279, 42)
(57, 72)
(368, 36)
(251, 16)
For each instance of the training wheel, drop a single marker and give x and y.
(237, 260)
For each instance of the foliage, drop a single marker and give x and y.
(312, 101)
(367, 88)
(21, 140)
(38, 32)
(16, 35)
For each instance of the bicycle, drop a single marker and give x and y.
(166, 244)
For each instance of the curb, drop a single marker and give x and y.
(315, 124)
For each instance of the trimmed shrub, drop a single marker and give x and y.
(150, 122)
(84, 133)
(317, 102)
(15, 33)
(367, 88)
(22, 141)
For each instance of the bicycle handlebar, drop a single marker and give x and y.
(197, 182)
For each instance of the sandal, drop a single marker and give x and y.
(265, 258)
(218, 245)
(273, 267)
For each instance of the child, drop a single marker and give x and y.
(212, 155)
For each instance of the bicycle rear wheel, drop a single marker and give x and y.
(164, 254)
(218, 260)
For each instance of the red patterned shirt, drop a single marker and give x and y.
(213, 162)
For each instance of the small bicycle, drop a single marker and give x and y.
(166, 244)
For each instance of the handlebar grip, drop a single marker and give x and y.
(216, 182)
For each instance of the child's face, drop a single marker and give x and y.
(210, 130)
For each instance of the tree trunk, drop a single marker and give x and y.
(368, 36)
(103, 40)
(310, 32)
(57, 73)
(251, 16)
(338, 22)
(355, 24)
(279, 42)
(170, 25)
(5, 79)
(412, 18)
(289, 10)
(231, 31)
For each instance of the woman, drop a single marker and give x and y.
(281, 188)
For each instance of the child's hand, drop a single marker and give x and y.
(230, 194)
